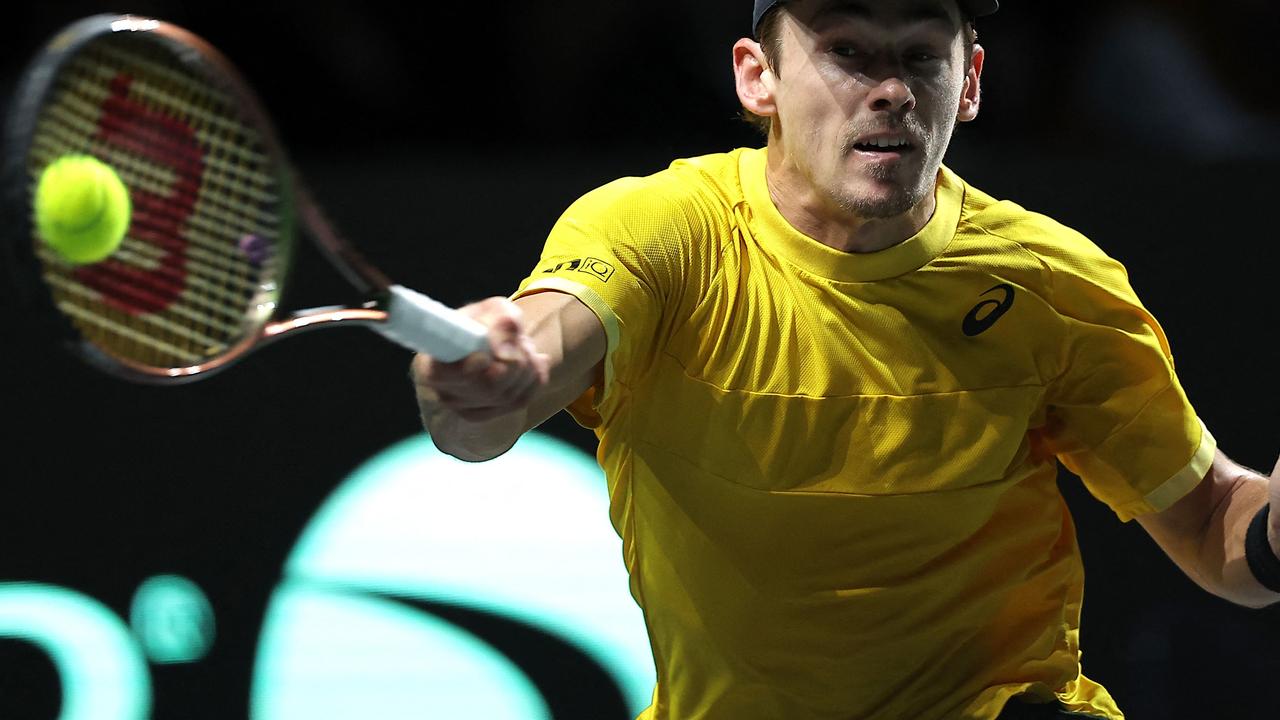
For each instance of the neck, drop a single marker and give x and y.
(818, 216)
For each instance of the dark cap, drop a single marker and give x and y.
(972, 8)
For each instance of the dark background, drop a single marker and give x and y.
(446, 138)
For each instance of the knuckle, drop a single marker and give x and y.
(494, 308)
(420, 367)
(479, 414)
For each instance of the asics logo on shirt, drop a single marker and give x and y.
(986, 313)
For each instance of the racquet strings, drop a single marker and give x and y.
(200, 269)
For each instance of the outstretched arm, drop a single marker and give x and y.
(547, 349)
(1204, 532)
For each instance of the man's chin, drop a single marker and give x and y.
(884, 192)
(883, 203)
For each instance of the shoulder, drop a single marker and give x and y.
(1036, 232)
(687, 208)
(1066, 255)
(708, 183)
(1085, 286)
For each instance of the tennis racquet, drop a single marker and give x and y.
(198, 280)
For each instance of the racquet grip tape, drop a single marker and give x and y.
(427, 326)
(1257, 551)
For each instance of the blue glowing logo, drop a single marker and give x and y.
(424, 587)
(430, 587)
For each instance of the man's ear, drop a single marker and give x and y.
(971, 96)
(753, 78)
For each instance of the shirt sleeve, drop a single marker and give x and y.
(620, 250)
(1117, 415)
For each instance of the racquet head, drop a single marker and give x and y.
(205, 259)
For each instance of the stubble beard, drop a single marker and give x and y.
(900, 200)
(905, 193)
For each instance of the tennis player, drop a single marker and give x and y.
(832, 383)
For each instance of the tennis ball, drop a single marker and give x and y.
(82, 208)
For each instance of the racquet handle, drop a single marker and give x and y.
(430, 327)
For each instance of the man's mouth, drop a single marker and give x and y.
(884, 145)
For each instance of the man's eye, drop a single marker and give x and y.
(845, 51)
(922, 57)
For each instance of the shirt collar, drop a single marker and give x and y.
(777, 235)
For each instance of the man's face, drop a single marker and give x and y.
(867, 94)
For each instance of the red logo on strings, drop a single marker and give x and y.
(159, 219)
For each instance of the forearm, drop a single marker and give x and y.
(1204, 533)
(1222, 559)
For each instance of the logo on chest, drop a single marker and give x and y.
(986, 313)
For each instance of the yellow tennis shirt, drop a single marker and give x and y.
(834, 474)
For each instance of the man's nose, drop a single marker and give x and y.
(891, 94)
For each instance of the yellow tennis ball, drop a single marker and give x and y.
(82, 208)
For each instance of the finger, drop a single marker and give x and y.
(499, 391)
(505, 321)
(474, 408)
(419, 368)
(428, 371)
(427, 395)
(502, 378)
(505, 336)
(479, 415)
(473, 365)
(504, 388)
(526, 394)
(422, 373)
(456, 403)
(458, 375)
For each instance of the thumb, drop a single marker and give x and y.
(504, 338)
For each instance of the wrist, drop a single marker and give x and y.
(1260, 549)
(1273, 532)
